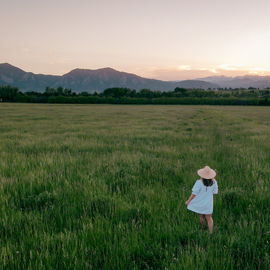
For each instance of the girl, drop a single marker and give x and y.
(201, 199)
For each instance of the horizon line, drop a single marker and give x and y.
(246, 73)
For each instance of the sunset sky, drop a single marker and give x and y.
(168, 40)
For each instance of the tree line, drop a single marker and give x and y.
(120, 95)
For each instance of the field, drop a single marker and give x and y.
(104, 186)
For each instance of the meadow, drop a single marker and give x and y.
(104, 186)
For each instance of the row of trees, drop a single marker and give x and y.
(118, 92)
(119, 95)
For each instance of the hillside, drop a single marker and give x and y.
(89, 80)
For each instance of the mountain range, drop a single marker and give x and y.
(99, 79)
(90, 80)
(246, 81)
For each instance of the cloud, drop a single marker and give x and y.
(184, 67)
(259, 71)
(229, 67)
(244, 69)
(187, 72)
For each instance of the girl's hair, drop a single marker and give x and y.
(207, 182)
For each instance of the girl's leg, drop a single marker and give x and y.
(202, 220)
(210, 223)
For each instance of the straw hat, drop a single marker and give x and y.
(206, 173)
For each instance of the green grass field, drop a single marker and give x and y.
(104, 186)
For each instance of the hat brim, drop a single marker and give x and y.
(206, 175)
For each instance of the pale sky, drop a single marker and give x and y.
(162, 39)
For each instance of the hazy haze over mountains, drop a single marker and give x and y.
(240, 81)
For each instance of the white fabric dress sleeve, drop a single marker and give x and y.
(215, 190)
(196, 188)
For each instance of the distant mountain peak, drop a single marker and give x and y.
(8, 66)
(7, 70)
(107, 69)
(84, 71)
(5, 65)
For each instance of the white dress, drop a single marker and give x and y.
(203, 201)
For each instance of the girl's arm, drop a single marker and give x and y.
(192, 196)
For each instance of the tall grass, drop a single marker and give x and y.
(103, 186)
